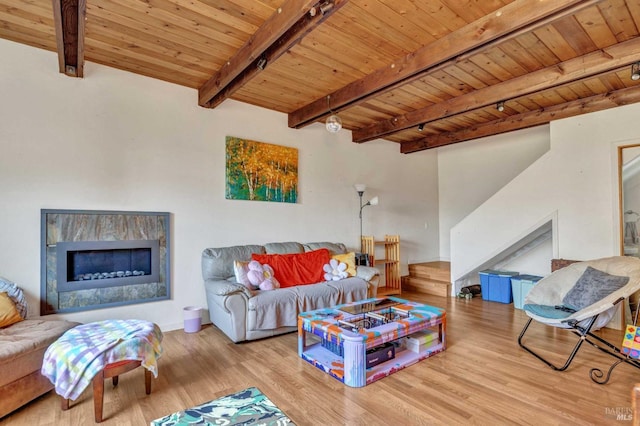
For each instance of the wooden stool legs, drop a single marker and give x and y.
(110, 371)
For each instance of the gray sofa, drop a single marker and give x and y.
(243, 314)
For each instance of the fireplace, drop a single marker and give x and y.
(98, 259)
(99, 264)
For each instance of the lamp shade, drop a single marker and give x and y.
(635, 71)
(374, 201)
(360, 187)
(334, 123)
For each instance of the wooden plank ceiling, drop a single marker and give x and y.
(420, 73)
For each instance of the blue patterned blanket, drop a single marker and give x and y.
(247, 407)
(71, 362)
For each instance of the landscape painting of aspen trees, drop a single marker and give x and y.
(261, 171)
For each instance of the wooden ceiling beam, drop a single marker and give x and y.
(525, 120)
(594, 63)
(69, 18)
(283, 30)
(508, 21)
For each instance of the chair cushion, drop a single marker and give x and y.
(23, 344)
(547, 311)
(592, 286)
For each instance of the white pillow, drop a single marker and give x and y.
(240, 269)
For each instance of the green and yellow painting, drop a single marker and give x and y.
(261, 171)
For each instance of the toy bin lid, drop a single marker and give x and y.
(525, 277)
(501, 273)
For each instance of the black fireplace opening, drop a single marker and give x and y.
(98, 264)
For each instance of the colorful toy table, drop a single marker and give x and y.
(336, 340)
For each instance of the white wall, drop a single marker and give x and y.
(534, 262)
(631, 197)
(470, 173)
(575, 184)
(118, 141)
(587, 166)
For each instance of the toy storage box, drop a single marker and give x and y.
(520, 285)
(419, 341)
(496, 285)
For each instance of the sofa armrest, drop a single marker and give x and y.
(226, 288)
(372, 276)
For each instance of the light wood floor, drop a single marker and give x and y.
(483, 377)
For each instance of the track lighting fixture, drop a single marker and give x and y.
(322, 8)
(420, 127)
(326, 6)
(262, 63)
(500, 106)
(635, 71)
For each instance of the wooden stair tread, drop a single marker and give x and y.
(429, 277)
(427, 280)
(437, 288)
(431, 270)
(441, 265)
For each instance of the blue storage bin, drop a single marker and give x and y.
(496, 285)
(520, 285)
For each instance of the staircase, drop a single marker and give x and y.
(430, 278)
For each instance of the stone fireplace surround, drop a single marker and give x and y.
(129, 249)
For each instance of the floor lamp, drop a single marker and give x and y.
(360, 188)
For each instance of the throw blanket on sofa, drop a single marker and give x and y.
(280, 308)
(71, 362)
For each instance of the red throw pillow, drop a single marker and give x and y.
(296, 268)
